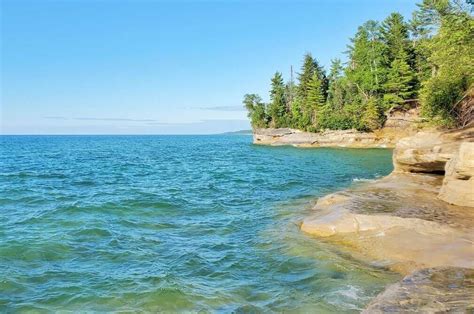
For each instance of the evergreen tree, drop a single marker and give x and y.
(315, 97)
(277, 108)
(366, 70)
(315, 100)
(336, 70)
(452, 63)
(308, 69)
(371, 119)
(386, 67)
(400, 57)
(335, 98)
(400, 82)
(395, 35)
(297, 117)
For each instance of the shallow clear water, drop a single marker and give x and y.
(174, 223)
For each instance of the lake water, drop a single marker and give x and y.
(175, 223)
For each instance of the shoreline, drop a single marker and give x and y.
(399, 124)
(417, 221)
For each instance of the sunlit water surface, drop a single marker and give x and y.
(174, 223)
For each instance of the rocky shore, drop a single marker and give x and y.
(418, 221)
(399, 124)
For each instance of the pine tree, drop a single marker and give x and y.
(315, 92)
(308, 69)
(366, 70)
(335, 98)
(431, 57)
(400, 82)
(335, 72)
(315, 99)
(395, 35)
(371, 119)
(277, 109)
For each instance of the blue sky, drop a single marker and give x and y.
(159, 67)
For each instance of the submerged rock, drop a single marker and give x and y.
(431, 290)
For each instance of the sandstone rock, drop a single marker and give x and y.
(401, 119)
(429, 151)
(458, 183)
(397, 221)
(431, 290)
(342, 222)
(400, 123)
(424, 152)
(339, 138)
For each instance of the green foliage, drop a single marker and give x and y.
(366, 53)
(400, 82)
(371, 119)
(401, 79)
(429, 58)
(394, 32)
(308, 69)
(277, 108)
(337, 86)
(452, 62)
(256, 111)
(316, 99)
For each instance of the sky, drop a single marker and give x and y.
(160, 67)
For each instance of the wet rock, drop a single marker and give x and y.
(431, 290)
(396, 221)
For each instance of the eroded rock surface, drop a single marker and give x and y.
(340, 138)
(397, 221)
(418, 220)
(429, 151)
(458, 183)
(432, 290)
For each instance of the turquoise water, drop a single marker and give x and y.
(174, 223)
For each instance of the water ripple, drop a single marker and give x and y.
(174, 223)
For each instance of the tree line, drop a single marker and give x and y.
(429, 58)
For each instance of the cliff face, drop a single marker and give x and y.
(340, 138)
(458, 183)
(446, 153)
(399, 124)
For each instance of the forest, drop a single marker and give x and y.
(427, 61)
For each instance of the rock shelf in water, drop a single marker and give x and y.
(419, 220)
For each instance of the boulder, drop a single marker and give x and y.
(458, 183)
(425, 152)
